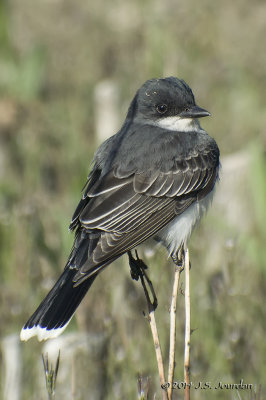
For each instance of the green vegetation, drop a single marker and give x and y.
(50, 375)
(53, 54)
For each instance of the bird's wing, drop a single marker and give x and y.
(128, 210)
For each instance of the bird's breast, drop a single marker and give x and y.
(178, 231)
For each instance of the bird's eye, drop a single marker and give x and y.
(161, 108)
(187, 109)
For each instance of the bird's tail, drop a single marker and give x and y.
(56, 310)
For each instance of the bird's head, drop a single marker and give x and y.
(168, 103)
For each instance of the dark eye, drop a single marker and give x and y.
(161, 108)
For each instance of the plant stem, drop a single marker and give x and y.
(171, 367)
(158, 352)
(187, 328)
(154, 331)
(50, 375)
(138, 267)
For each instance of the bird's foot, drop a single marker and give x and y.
(136, 266)
(137, 270)
(179, 258)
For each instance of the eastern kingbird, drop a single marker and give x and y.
(152, 179)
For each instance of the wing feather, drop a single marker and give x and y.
(168, 183)
(126, 211)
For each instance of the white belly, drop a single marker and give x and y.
(178, 231)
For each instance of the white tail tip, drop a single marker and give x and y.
(41, 333)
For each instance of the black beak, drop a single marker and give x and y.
(194, 112)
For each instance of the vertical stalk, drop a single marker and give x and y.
(187, 328)
(172, 341)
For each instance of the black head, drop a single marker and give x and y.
(162, 98)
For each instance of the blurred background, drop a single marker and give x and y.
(68, 70)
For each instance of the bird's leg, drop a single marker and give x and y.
(137, 270)
(136, 266)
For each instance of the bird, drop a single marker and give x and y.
(154, 178)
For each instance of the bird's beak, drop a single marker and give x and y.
(195, 112)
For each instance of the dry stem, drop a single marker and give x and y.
(187, 328)
(138, 267)
(171, 366)
(154, 332)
